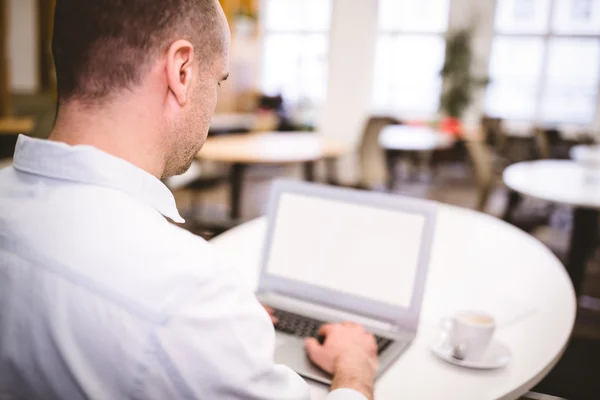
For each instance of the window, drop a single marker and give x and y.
(576, 17)
(295, 49)
(515, 70)
(545, 62)
(571, 86)
(409, 56)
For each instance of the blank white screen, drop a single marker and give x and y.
(355, 249)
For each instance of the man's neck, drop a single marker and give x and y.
(121, 130)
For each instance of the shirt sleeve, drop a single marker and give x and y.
(219, 344)
(345, 394)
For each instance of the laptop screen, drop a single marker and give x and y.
(339, 246)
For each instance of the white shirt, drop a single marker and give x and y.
(101, 297)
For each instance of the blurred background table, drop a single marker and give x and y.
(588, 155)
(402, 141)
(279, 148)
(413, 138)
(535, 316)
(232, 122)
(16, 125)
(564, 182)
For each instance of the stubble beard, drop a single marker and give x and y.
(186, 146)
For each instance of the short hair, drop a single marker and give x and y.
(104, 46)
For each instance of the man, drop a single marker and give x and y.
(100, 295)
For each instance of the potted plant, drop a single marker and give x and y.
(459, 79)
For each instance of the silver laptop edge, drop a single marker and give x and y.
(399, 324)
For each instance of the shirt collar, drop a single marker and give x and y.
(86, 164)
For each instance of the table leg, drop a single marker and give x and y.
(583, 240)
(514, 198)
(425, 166)
(309, 171)
(415, 166)
(390, 161)
(236, 178)
(331, 170)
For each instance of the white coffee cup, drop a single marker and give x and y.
(470, 333)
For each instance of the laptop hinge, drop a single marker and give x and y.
(325, 313)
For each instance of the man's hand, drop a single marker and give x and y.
(349, 353)
(271, 313)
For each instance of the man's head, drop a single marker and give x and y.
(167, 55)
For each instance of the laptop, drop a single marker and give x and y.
(334, 254)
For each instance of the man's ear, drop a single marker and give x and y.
(180, 62)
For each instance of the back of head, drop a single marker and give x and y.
(101, 47)
(145, 72)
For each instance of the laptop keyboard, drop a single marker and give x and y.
(302, 326)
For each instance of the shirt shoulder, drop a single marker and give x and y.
(108, 243)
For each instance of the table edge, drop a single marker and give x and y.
(537, 377)
(567, 203)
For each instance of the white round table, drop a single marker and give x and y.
(405, 141)
(558, 181)
(414, 138)
(587, 155)
(564, 182)
(477, 261)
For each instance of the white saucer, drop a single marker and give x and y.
(497, 355)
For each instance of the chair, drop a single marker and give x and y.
(493, 134)
(549, 144)
(371, 156)
(542, 143)
(483, 164)
(525, 215)
(198, 180)
(7, 145)
(372, 160)
(518, 145)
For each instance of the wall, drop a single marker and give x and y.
(351, 64)
(22, 45)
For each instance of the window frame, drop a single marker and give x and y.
(264, 32)
(394, 34)
(542, 84)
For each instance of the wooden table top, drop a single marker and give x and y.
(270, 148)
(14, 125)
(232, 121)
(5, 163)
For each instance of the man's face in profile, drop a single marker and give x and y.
(190, 129)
